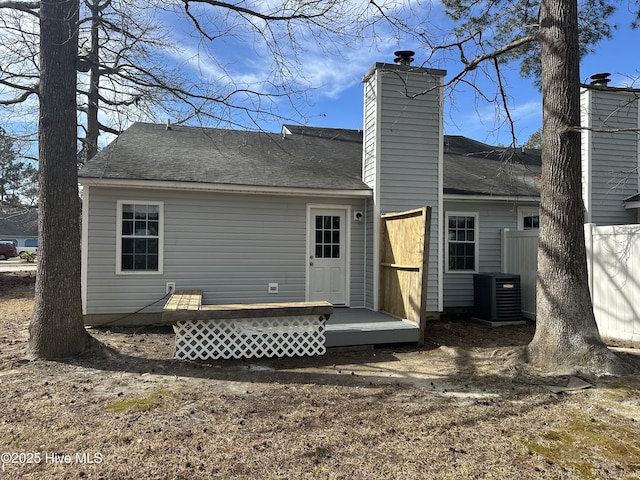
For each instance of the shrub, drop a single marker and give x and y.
(28, 256)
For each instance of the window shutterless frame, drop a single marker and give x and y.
(461, 242)
(139, 237)
(528, 218)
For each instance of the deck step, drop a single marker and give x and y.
(370, 333)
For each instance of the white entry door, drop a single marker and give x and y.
(328, 254)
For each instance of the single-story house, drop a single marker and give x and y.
(255, 217)
(19, 226)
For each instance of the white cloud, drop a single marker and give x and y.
(317, 60)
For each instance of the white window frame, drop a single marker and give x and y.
(526, 212)
(476, 236)
(160, 237)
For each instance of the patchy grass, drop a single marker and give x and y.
(574, 445)
(450, 410)
(138, 404)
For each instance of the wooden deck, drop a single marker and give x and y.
(187, 305)
(343, 326)
(184, 300)
(245, 330)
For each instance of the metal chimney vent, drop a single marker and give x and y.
(601, 79)
(403, 57)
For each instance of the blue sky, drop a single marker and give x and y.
(465, 115)
(332, 84)
(336, 97)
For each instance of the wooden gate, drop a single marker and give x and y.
(404, 260)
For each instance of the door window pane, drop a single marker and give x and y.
(327, 236)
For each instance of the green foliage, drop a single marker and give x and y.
(9, 167)
(483, 27)
(535, 140)
(28, 256)
(18, 178)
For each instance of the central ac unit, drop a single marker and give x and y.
(496, 297)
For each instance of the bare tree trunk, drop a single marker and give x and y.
(566, 332)
(56, 328)
(93, 127)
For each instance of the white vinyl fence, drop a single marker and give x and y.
(613, 257)
(613, 254)
(520, 255)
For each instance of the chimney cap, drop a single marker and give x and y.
(601, 79)
(404, 57)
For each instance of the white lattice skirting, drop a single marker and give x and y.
(250, 338)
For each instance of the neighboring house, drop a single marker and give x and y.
(253, 217)
(610, 191)
(20, 227)
(610, 154)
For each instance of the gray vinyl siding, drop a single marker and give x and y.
(613, 157)
(492, 218)
(369, 301)
(407, 132)
(369, 134)
(410, 142)
(231, 246)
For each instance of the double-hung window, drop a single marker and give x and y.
(528, 218)
(462, 242)
(139, 237)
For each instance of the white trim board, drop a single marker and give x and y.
(225, 188)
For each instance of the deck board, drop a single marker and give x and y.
(189, 301)
(262, 310)
(186, 305)
(360, 326)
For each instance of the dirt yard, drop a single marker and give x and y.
(457, 408)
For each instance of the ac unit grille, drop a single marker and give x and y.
(497, 297)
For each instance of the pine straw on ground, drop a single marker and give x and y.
(455, 408)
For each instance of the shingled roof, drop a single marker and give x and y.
(299, 157)
(233, 157)
(18, 222)
(475, 168)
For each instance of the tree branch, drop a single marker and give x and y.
(503, 97)
(21, 98)
(471, 65)
(27, 7)
(474, 63)
(265, 16)
(603, 130)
